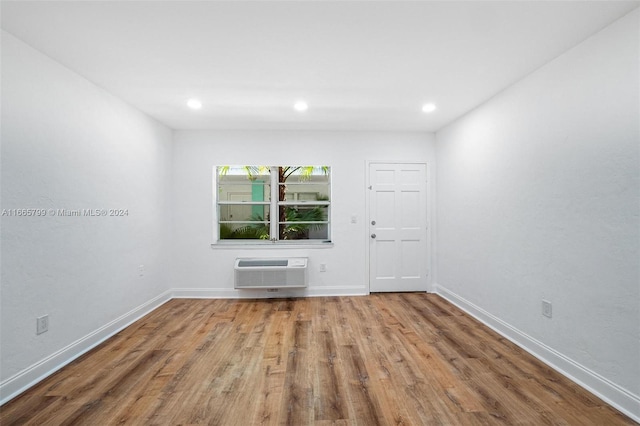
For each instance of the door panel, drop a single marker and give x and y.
(386, 266)
(410, 259)
(398, 227)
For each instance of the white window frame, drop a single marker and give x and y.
(274, 205)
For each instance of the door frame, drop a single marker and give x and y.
(428, 242)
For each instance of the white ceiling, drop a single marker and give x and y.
(359, 65)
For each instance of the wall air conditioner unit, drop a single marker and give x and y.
(271, 273)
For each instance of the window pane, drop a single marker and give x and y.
(301, 222)
(299, 231)
(306, 191)
(245, 207)
(244, 231)
(244, 212)
(246, 193)
(249, 172)
(303, 173)
(244, 183)
(304, 213)
(303, 183)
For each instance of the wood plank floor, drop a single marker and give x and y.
(393, 359)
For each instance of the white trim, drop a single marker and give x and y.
(223, 293)
(367, 210)
(271, 246)
(616, 396)
(214, 199)
(20, 382)
(275, 196)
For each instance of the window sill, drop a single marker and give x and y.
(272, 246)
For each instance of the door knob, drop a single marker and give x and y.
(373, 236)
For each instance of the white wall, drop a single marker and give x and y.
(198, 266)
(67, 144)
(538, 199)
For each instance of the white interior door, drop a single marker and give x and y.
(398, 227)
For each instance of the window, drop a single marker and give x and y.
(273, 203)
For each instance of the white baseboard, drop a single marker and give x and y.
(18, 383)
(220, 293)
(618, 397)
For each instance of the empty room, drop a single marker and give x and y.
(320, 213)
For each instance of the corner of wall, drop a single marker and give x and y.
(28, 377)
(618, 397)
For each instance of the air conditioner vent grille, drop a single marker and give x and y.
(262, 262)
(270, 273)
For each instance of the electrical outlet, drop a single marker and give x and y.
(42, 324)
(546, 308)
(141, 270)
(323, 267)
(273, 290)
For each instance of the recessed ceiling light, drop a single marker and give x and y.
(428, 107)
(194, 103)
(300, 106)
